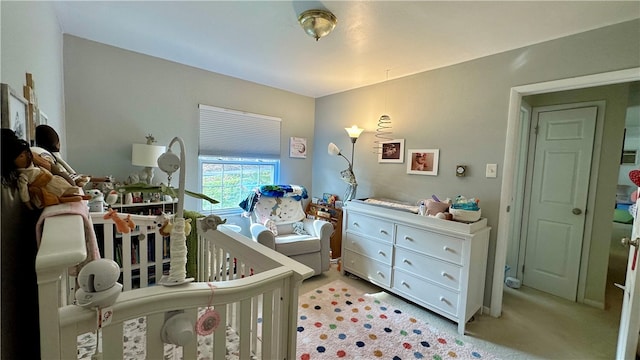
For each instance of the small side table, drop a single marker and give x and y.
(334, 216)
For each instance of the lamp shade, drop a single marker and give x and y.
(354, 131)
(146, 155)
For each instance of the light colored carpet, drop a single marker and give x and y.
(533, 325)
(342, 321)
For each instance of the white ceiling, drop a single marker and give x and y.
(261, 41)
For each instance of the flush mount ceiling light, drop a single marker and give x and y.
(317, 23)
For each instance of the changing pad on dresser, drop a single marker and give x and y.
(393, 204)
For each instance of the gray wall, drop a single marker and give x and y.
(461, 110)
(115, 97)
(31, 41)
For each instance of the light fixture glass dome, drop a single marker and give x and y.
(317, 23)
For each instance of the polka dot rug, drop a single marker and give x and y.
(339, 321)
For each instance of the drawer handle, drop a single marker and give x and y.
(380, 252)
(446, 248)
(444, 274)
(383, 231)
(404, 283)
(356, 224)
(408, 238)
(406, 261)
(380, 273)
(442, 299)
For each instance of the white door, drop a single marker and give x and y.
(558, 199)
(630, 316)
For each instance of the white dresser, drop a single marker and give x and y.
(435, 263)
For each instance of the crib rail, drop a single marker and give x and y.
(255, 292)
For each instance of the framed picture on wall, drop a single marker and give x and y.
(423, 161)
(391, 151)
(14, 110)
(43, 119)
(298, 147)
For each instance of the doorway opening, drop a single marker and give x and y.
(513, 144)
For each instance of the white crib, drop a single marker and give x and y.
(255, 292)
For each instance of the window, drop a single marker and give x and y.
(238, 151)
(229, 180)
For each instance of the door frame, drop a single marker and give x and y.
(525, 201)
(514, 124)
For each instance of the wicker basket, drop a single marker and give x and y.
(465, 215)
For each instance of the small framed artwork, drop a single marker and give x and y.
(14, 110)
(391, 151)
(298, 147)
(43, 119)
(423, 161)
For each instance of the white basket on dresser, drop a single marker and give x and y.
(435, 263)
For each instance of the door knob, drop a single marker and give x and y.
(626, 242)
(576, 211)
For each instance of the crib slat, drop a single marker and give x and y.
(267, 325)
(190, 350)
(155, 346)
(143, 259)
(220, 335)
(244, 329)
(112, 335)
(254, 322)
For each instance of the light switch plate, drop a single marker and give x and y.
(492, 170)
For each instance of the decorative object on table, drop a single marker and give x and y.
(465, 210)
(423, 161)
(14, 110)
(317, 23)
(392, 151)
(96, 203)
(347, 175)
(146, 155)
(329, 199)
(298, 147)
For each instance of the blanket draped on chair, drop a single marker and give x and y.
(297, 192)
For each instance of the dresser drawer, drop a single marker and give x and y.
(439, 271)
(423, 291)
(444, 247)
(377, 250)
(370, 226)
(367, 268)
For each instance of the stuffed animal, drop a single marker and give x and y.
(122, 225)
(37, 186)
(212, 222)
(96, 203)
(164, 223)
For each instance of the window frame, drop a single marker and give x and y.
(207, 159)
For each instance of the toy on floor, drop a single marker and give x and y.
(122, 225)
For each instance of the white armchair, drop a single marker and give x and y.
(280, 223)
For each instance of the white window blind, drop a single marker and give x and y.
(232, 133)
